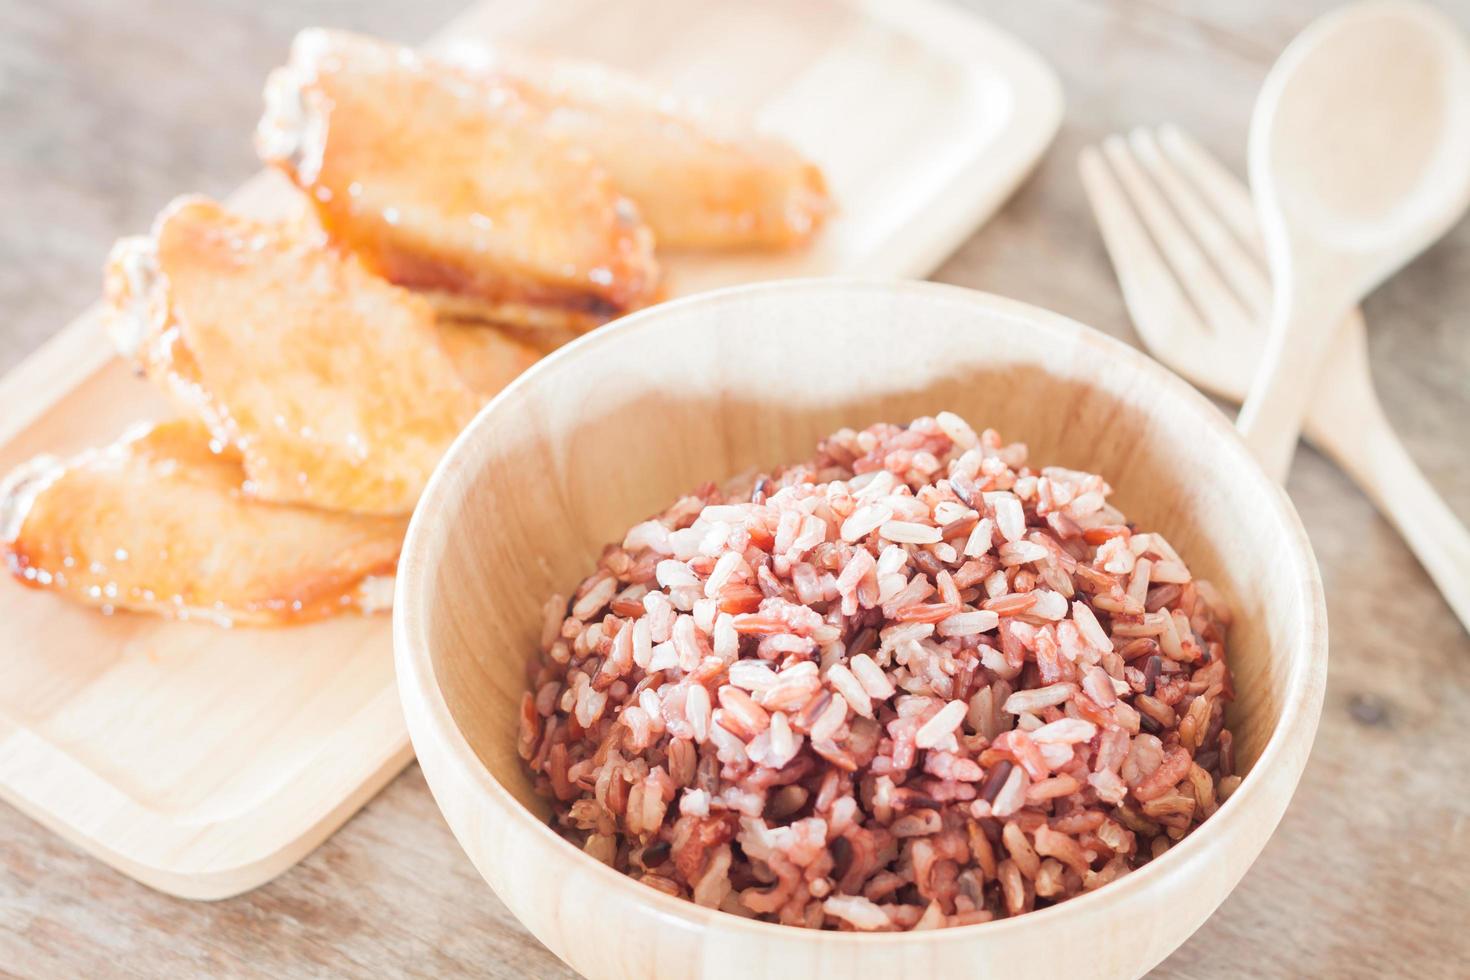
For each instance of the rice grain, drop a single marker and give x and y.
(911, 683)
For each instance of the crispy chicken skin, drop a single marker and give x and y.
(450, 185)
(156, 522)
(329, 381)
(700, 180)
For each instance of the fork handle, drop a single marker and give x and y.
(1359, 437)
(1270, 420)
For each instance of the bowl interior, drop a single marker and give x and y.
(613, 428)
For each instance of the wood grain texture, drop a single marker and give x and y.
(111, 109)
(701, 383)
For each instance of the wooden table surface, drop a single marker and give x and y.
(109, 109)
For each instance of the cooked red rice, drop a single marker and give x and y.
(910, 683)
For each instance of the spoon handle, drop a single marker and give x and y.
(1351, 428)
(1271, 418)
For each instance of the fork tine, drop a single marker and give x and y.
(1243, 272)
(1160, 311)
(1220, 308)
(1228, 193)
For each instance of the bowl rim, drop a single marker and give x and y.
(419, 688)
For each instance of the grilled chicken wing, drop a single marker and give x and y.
(329, 381)
(700, 180)
(156, 523)
(450, 185)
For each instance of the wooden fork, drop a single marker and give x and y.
(1181, 231)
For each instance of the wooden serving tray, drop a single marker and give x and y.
(204, 761)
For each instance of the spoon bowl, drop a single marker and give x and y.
(1359, 160)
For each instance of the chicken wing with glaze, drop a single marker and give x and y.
(451, 185)
(156, 522)
(330, 382)
(700, 179)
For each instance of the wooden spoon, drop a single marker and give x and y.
(1359, 160)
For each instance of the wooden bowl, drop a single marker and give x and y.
(615, 426)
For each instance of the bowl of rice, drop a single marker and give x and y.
(829, 626)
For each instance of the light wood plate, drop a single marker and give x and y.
(202, 761)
